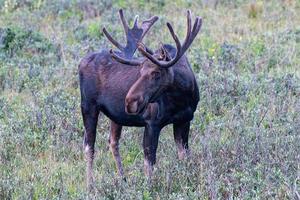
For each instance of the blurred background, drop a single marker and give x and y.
(244, 138)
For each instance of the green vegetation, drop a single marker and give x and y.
(244, 138)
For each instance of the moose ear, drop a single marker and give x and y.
(164, 54)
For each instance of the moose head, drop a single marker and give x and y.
(156, 73)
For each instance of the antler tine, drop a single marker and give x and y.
(146, 24)
(123, 60)
(113, 41)
(124, 22)
(136, 19)
(189, 26)
(192, 35)
(142, 49)
(195, 31)
(195, 27)
(178, 44)
(199, 26)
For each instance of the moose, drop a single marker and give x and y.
(150, 91)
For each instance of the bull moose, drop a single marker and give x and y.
(151, 91)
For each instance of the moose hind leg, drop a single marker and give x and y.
(114, 137)
(150, 143)
(90, 119)
(181, 136)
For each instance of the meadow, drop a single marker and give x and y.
(244, 138)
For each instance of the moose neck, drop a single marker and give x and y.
(184, 79)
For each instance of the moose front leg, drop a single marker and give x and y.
(150, 143)
(181, 136)
(90, 119)
(114, 137)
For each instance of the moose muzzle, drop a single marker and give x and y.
(134, 104)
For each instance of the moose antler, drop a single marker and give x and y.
(190, 36)
(134, 35)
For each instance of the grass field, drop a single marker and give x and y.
(244, 138)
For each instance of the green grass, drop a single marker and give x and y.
(244, 138)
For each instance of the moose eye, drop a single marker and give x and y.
(155, 75)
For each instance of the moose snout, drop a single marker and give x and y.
(133, 104)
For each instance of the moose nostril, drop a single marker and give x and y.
(131, 99)
(132, 107)
(132, 103)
